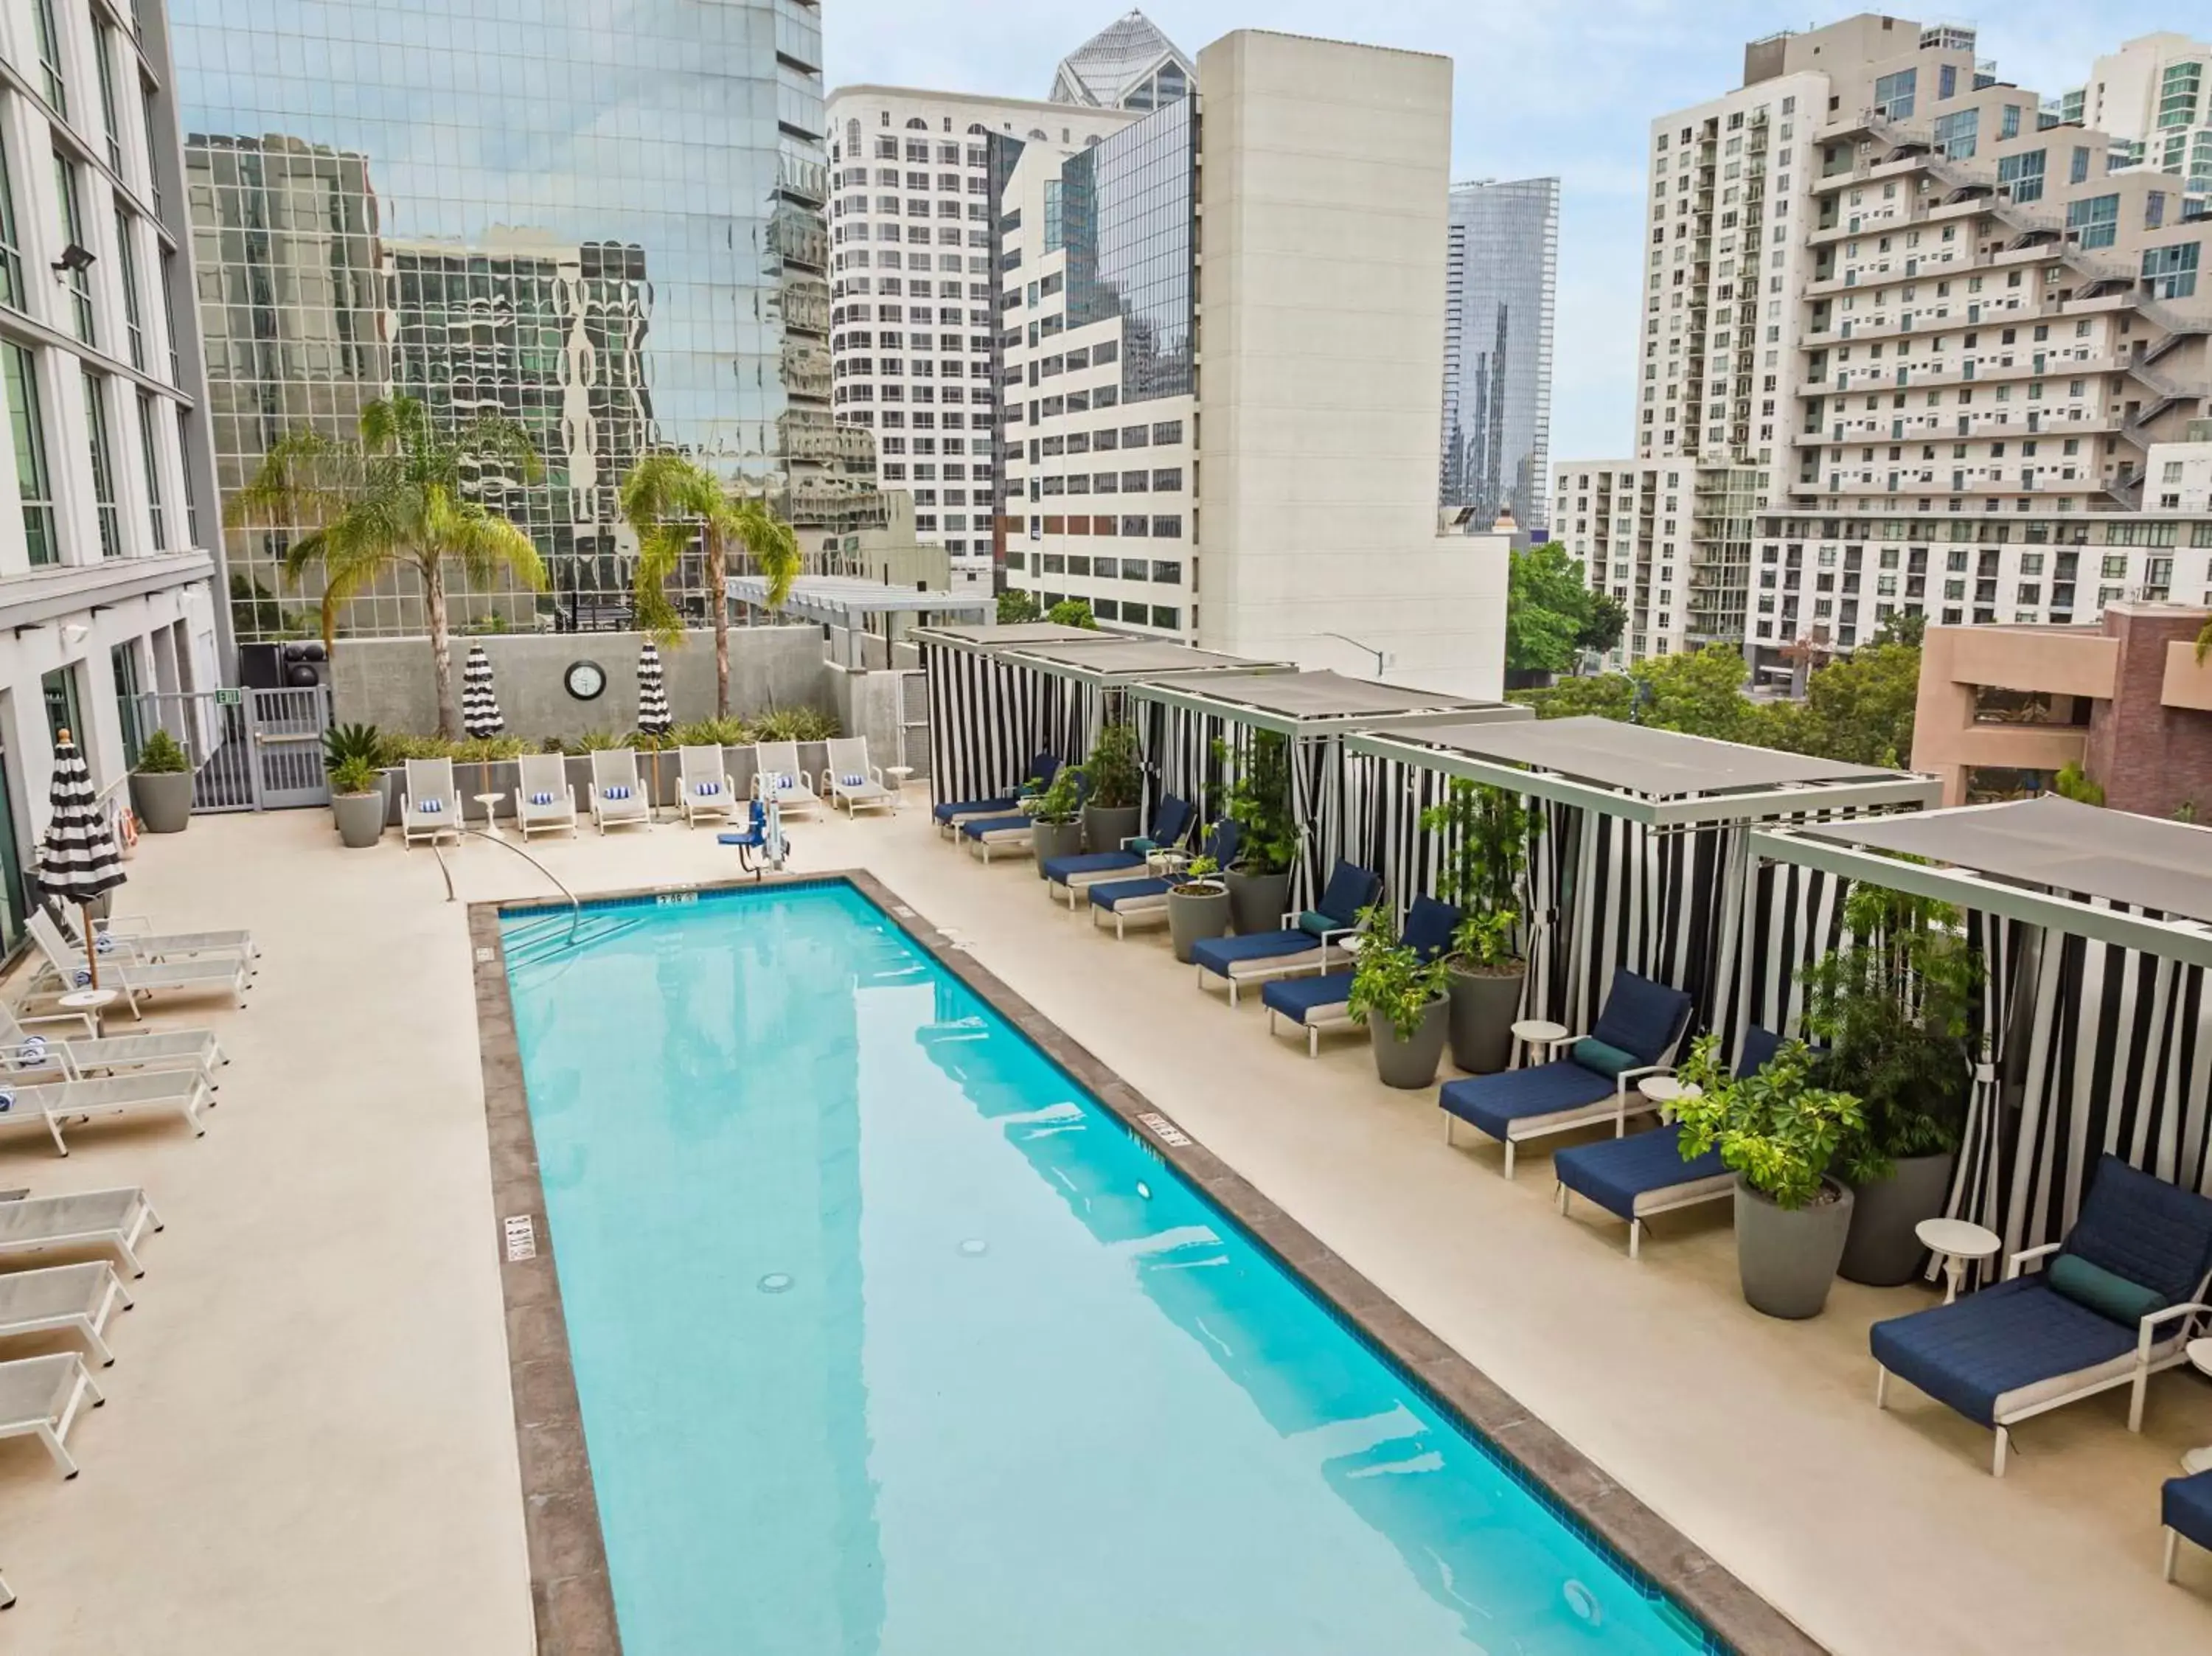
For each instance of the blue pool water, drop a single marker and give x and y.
(890, 1339)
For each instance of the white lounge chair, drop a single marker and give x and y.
(133, 978)
(83, 1220)
(777, 776)
(76, 1299)
(618, 798)
(183, 1092)
(545, 801)
(22, 1048)
(42, 1397)
(429, 806)
(705, 793)
(135, 934)
(851, 781)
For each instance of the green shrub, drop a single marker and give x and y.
(1116, 779)
(160, 755)
(398, 747)
(487, 749)
(1776, 1128)
(1392, 981)
(713, 733)
(794, 724)
(345, 742)
(356, 774)
(597, 742)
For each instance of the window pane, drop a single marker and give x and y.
(28, 427)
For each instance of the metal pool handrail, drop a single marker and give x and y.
(575, 908)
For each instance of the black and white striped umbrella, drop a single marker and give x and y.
(77, 857)
(480, 714)
(653, 715)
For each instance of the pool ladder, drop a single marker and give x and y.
(575, 908)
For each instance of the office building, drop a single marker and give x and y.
(1944, 324)
(1267, 488)
(613, 234)
(1128, 64)
(1501, 275)
(108, 563)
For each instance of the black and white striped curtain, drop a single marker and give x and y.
(987, 720)
(1176, 747)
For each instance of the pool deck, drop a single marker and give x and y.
(310, 1443)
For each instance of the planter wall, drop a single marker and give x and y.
(162, 802)
(1883, 1250)
(1192, 917)
(1483, 1009)
(1256, 901)
(1410, 1064)
(1787, 1261)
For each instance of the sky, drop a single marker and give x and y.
(1562, 86)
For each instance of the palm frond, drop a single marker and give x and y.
(771, 543)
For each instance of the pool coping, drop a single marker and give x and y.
(571, 1592)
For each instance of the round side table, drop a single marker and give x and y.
(90, 1005)
(2199, 1460)
(1666, 1091)
(490, 804)
(1533, 1032)
(898, 774)
(1957, 1243)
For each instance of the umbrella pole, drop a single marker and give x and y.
(91, 953)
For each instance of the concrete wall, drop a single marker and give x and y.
(1948, 743)
(388, 682)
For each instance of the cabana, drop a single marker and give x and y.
(846, 603)
(2094, 928)
(1317, 712)
(1643, 861)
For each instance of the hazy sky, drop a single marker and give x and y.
(1564, 86)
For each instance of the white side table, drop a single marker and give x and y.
(898, 774)
(490, 804)
(90, 1005)
(1666, 1091)
(1957, 1243)
(1533, 1032)
(2199, 1460)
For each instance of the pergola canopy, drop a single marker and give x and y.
(2048, 861)
(1110, 658)
(1662, 778)
(993, 640)
(1307, 703)
(846, 601)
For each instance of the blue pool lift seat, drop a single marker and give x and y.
(1647, 1173)
(2185, 1509)
(2114, 1303)
(1315, 1005)
(1076, 874)
(949, 814)
(1636, 1036)
(1302, 944)
(1146, 898)
(751, 840)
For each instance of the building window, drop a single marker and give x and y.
(32, 476)
(1946, 80)
(1957, 133)
(79, 280)
(11, 257)
(1892, 94)
(191, 491)
(150, 455)
(133, 318)
(103, 466)
(2171, 272)
(103, 49)
(50, 57)
(2024, 172)
(2078, 171)
(123, 663)
(2095, 221)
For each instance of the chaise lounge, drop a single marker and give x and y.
(1145, 898)
(2114, 1303)
(1635, 1037)
(1318, 1005)
(545, 801)
(2185, 1509)
(1077, 874)
(1304, 942)
(948, 815)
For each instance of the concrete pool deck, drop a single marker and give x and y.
(311, 1442)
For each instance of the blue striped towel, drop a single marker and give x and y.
(541, 798)
(32, 1053)
(782, 782)
(103, 944)
(855, 781)
(429, 807)
(7, 1100)
(706, 790)
(81, 977)
(618, 792)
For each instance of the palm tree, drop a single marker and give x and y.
(394, 497)
(669, 499)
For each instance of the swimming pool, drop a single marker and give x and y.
(889, 1338)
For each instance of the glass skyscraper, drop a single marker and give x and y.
(604, 223)
(1503, 274)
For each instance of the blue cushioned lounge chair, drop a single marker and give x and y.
(1012, 832)
(1302, 944)
(2114, 1303)
(1596, 1079)
(1146, 898)
(1323, 1002)
(1645, 1173)
(1077, 874)
(950, 813)
(2185, 1509)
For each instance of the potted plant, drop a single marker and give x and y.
(1892, 1007)
(1486, 832)
(1259, 802)
(1781, 1133)
(1403, 998)
(161, 784)
(358, 801)
(1110, 810)
(1056, 817)
(1198, 907)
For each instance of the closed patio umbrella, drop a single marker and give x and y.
(480, 714)
(653, 715)
(77, 858)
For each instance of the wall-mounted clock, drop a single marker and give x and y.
(585, 680)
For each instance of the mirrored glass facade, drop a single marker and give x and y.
(1500, 283)
(1126, 216)
(606, 224)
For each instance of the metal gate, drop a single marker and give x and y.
(251, 750)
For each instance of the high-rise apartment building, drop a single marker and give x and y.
(1500, 279)
(613, 234)
(2154, 94)
(1224, 450)
(1942, 324)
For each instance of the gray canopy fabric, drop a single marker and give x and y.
(1635, 758)
(842, 600)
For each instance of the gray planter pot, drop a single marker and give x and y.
(1411, 1064)
(1055, 839)
(1883, 1250)
(1193, 916)
(360, 818)
(1105, 827)
(1787, 1261)
(1484, 1006)
(1256, 901)
(162, 802)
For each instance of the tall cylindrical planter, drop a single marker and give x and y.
(162, 800)
(1256, 901)
(1055, 839)
(1787, 1259)
(1412, 1064)
(1883, 1250)
(1193, 916)
(360, 818)
(1484, 1005)
(1105, 827)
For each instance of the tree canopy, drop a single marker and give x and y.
(1549, 610)
(1015, 606)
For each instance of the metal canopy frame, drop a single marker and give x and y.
(844, 600)
(1216, 694)
(2185, 940)
(993, 640)
(1889, 791)
(1115, 660)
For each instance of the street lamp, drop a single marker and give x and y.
(1382, 657)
